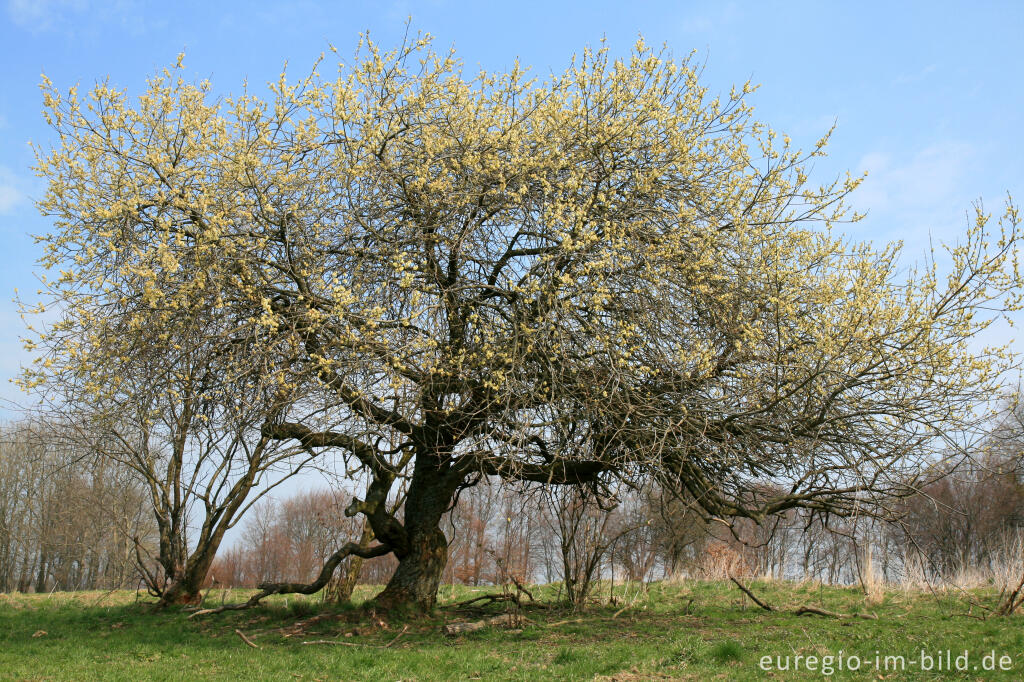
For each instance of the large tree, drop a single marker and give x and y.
(603, 273)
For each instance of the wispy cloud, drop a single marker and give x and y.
(711, 19)
(927, 194)
(11, 195)
(905, 78)
(69, 16)
(38, 16)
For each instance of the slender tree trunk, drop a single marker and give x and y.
(41, 573)
(340, 588)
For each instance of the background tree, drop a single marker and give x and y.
(585, 532)
(146, 363)
(67, 517)
(604, 274)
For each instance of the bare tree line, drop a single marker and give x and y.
(966, 526)
(68, 520)
(289, 541)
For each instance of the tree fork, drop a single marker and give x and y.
(423, 555)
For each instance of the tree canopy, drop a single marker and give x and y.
(607, 272)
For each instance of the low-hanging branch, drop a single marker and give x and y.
(558, 472)
(267, 589)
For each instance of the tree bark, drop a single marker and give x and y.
(187, 581)
(423, 552)
(181, 592)
(42, 573)
(418, 576)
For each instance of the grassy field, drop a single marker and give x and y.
(695, 630)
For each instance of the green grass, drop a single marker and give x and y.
(697, 630)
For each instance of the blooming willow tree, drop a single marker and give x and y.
(607, 273)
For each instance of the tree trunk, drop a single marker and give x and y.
(187, 581)
(180, 592)
(340, 589)
(423, 550)
(42, 573)
(418, 576)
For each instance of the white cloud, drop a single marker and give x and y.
(926, 195)
(70, 16)
(43, 15)
(11, 196)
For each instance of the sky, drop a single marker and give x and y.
(927, 96)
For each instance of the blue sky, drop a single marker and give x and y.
(928, 96)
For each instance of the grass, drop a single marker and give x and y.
(695, 631)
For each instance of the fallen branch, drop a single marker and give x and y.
(246, 639)
(750, 594)
(802, 610)
(404, 630)
(520, 587)
(104, 596)
(493, 598)
(337, 643)
(1012, 602)
(563, 622)
(806, 610)
(508, 619)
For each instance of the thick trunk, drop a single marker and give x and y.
(418, 576)
(185, 585)
(180, 592)
(423, 549)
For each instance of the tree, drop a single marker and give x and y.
(145, 367)
(603, 274)
(67, 517)
(585, 532)
(172, 420)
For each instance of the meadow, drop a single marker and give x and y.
(694, 630)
